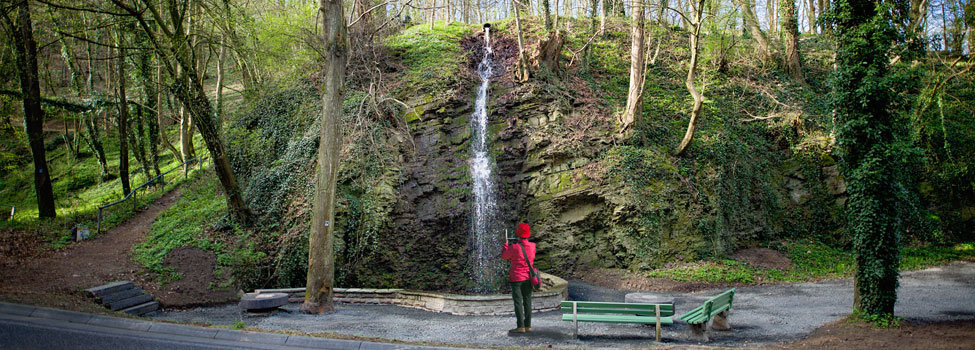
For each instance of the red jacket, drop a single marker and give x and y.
(519, 268)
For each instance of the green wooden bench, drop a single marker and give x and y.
(717, 307)
(587, 311)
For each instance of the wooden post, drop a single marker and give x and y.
(656, 309)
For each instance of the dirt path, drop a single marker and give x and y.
(57, 278)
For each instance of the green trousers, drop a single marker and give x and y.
(521, 292)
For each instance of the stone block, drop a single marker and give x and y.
(124, 294)
(253, 301)
(129, 302)
(109, 288)
(720, 322)
(142, 309)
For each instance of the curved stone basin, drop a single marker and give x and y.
(554, 291)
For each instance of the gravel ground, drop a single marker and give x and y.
(762, 315)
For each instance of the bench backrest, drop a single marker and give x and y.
(590, 307)
(719, 303)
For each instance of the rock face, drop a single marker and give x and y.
(592, 197)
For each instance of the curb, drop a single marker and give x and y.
(199, 332)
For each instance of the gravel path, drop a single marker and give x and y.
(762, 315)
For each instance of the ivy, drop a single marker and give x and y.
(870, 156)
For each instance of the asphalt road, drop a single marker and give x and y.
(28, 327)
(29, 334)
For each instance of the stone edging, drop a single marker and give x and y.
(554, 291)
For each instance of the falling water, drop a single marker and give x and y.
(486, 239)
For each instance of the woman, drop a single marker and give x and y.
(521, 286)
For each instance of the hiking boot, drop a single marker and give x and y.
(517, 330)
(528, 329)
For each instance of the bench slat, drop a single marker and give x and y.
(619, 319)
(637, 306)
(582, 310)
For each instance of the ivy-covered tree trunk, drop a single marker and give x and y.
(865, 138)
(790, 38)
(321, 257)
(30, 87)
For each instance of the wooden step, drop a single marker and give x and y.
(125, 294)
(125, 303)
(110, 288)
(142, 309)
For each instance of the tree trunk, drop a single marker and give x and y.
(593, 15)
(123, 120)
(433, 12)
(159, 114)
(149, 88)
(634, 100)
(547, 13)
(695, 33)
(185, 134)
(751, 21)
(522, 63)
(220, 76)
(321, 259)
(663, 31)
(26, 50)
(138, 144)
(790, 31)
(602, 18)
(811, 15)
(555, 15)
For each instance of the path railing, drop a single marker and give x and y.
(132, 194)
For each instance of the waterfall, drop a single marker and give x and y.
(484, 226)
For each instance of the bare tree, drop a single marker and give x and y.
(751, 21)
(321, 259)
(634, 98)
(697, 10)
(811, 15)
(522, 64)
(172, 43)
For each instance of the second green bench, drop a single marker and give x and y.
(588, 311)
(717, 307)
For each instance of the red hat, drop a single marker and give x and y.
(523, 230)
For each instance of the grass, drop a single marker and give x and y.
(812, 261)
(79, 190)
(433, 58)
(182, 224)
